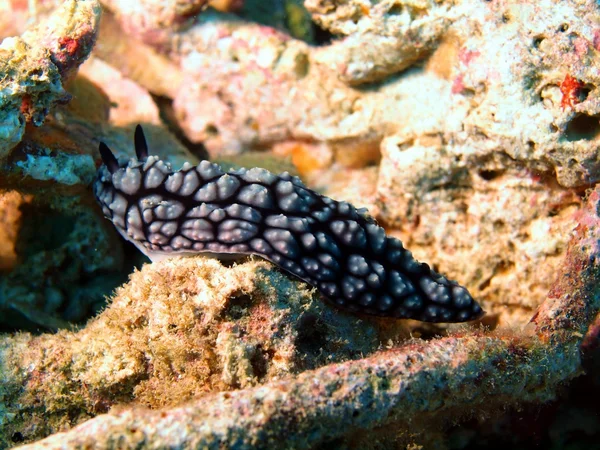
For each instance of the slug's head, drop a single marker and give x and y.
(141, 151)
(121, 184)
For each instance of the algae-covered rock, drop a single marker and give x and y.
(180, 328)
(136, 60)
(62, 257)
(36, 64)
(65, 257)
(66, 260)
(488, 225)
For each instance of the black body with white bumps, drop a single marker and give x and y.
(331, 245)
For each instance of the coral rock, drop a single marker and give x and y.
(37, 63)
(152, 20)
(136, 60)
(411, 388)
(180, 328)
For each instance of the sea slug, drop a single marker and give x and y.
(329, 244)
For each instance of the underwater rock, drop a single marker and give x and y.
(478, 115)
(16, 15)
(136, 60)
(490, 224)
(493, 91)
(248, 86)
(36, 64)
(243, 78)
(411, 388)
(62, 274)
(381, 38)
(88, 101)
(131, 103)
(154, 20)
(43, 171)
(470, 129)
(60, 245)
(494, 154)
(180, 328)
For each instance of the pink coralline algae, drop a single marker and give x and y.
(154, 20)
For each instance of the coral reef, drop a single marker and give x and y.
(249, 66)
(382, 38)
(38, 286)
(472, 219)
(157, 75)
(64, 256)
(67, 258)
(132, 103)
(154, 20)
(469, 129)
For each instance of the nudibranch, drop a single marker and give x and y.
(328, 244)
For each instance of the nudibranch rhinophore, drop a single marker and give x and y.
(329, 244)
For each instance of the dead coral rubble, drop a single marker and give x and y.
(61, 256)
(36, 64)
(493, 81)
(466, 103)
(154, 20)
(56, 240)
(179, 329)
(411, 387)
(380, 38)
